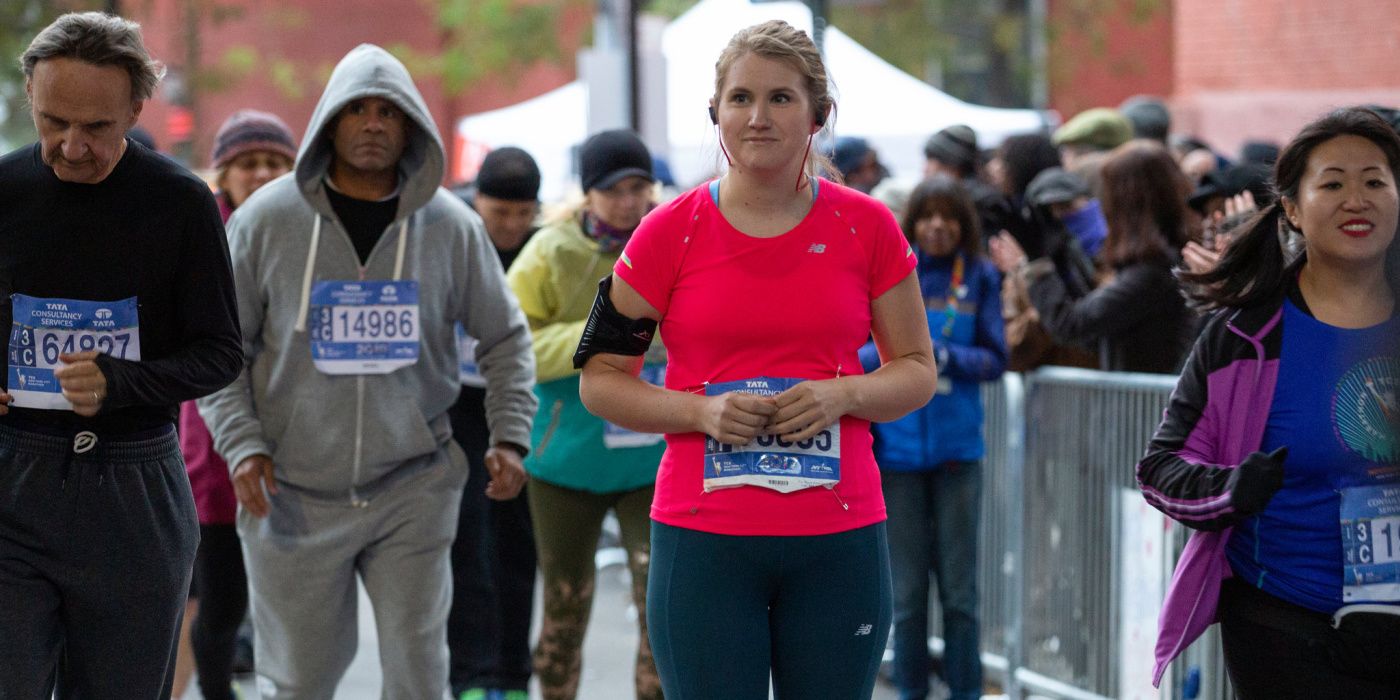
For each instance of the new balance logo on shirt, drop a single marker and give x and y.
(818, 248)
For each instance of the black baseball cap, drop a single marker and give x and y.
(1055, 186)
(509, 173)
(608, 157)
(1231, 181)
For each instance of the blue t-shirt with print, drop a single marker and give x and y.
(1323, 410)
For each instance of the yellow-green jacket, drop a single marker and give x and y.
(555, 278)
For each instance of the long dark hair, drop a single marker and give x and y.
(946, 196)
(1144, 203)
(1024, 156)
(1255, 267)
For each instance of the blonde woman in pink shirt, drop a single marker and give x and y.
(769, 552)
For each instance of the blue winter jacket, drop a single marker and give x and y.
(970, 350)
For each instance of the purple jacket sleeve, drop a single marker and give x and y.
(1179, 474)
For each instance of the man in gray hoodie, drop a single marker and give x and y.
(350, 273)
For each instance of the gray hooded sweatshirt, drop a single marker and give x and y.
(343, 436)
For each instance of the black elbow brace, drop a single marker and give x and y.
(609, 331)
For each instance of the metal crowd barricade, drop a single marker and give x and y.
(1068, 607)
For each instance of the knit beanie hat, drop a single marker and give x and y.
(249, 130)
(955, 146)
(609, 157)
(509, 173)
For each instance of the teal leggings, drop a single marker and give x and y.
(725, 611)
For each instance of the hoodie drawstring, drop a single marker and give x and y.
(310, 272)
(306, 276)
(403, 245)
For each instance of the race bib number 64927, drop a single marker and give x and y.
(44, 329)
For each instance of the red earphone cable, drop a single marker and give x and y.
(719, 137)
(802, 171)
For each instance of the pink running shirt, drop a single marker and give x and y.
(737, 307)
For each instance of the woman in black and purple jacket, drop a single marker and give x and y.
(1279, 445)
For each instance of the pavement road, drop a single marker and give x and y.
(607, 656)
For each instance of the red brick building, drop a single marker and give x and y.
(276, 56)
(1231, 70)
(1099, 59)
(1234, 70)
(1263, 68)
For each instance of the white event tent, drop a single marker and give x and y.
(549, 126)
(893, 110)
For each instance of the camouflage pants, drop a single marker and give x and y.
(567, 526)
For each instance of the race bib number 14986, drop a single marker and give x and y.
(363, 327)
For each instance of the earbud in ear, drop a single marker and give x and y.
(714, 116)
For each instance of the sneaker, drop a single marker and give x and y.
(474, 694)
(514, 695)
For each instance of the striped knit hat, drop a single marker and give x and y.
(250, 130)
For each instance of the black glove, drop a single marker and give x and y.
(1053, 239)
(1256, 481)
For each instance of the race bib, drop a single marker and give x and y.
(467, 371)
(1370, 520)
(368, 327)
(617, 437)
(44, 328)
(769, 461)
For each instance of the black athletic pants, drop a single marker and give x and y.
(493, 570)
(1275, 650)
(222, 588)
(96, 549)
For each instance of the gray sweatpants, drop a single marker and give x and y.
(95, 556)
(303, 560)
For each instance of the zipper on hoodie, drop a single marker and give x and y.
(1257, 344)
(355, 499)
(554, 412)
(362, 272)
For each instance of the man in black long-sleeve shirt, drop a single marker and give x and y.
(493, 556)
(119, 302)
